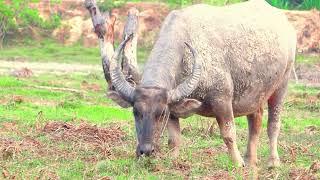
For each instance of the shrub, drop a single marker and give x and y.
(17, 14)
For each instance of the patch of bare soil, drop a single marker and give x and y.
(76, 23)
(17, 99)
(9, 147)
(77, 26)
(7, 67)
(302, 174)
(183, 166)
(22, 73)
(220, 174)
(307, 25)
(295, 149)
(90, 86)
(100, 138)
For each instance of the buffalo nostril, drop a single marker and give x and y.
(146, 149)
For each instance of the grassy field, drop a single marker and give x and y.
(51, 125)
(50, 51)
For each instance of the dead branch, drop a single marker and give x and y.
(129, 63)
(106, 41)
(106, 44)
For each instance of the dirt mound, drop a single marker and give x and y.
(70, 30)
(78, 26)
(84, 132)
(9, 147)
(307, 24)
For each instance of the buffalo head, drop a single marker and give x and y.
(152, 105)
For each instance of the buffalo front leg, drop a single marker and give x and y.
(254, 123)
(228, 132)
(174, 141)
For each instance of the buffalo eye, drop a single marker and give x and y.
(136, 113)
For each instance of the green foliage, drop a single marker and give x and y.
(283, 4)
(295, 4)
(107, 5)
(18, 14)
(309, 4)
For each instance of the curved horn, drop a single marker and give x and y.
(189, 85)
(117, 78)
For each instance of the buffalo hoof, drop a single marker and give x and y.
(174, 153)
(240, 163)
(273, 162)
(251, 163)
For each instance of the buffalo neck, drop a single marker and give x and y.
(163, 65)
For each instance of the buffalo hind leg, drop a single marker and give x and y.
(174, 141)
(275, 103)
(226, 123)
(254, 123)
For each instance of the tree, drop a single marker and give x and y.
(16, 14)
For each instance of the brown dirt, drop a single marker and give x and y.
(100, 138)
(83, 136)
(22, 73)
(9, 147)
(182, 166)
(17, 99)
(85, 132)
(307, 24)
(301, 174)
(76, 24)
(90, 86)
(220, 174)
(47, 67)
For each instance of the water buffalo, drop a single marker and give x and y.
(221, 62)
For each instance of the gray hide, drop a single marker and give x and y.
(245, 51)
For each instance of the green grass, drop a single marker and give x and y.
(307, 59)
(51, 51)
(79, 160)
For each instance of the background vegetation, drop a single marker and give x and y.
(28, 151)
(283, 4)
(17, 15)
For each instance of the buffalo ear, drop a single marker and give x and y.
(185, 108)
(116, 97)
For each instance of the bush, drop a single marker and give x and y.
(17, 14)
(295, 4)
(107, 5)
